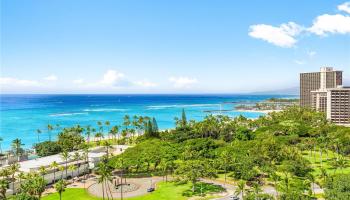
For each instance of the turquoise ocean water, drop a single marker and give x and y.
(22, 115)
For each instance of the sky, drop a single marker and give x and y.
(183, 46)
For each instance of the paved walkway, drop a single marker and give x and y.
(142, 185)
(230, 189)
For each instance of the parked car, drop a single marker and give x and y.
(234, 198)
(150, 189)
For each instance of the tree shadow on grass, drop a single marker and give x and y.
(201, 189)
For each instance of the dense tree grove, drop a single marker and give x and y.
(47, 148)
(292, 150)
(271, 149)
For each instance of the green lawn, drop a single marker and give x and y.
(71, 193)
(315, 160)
(168, 191)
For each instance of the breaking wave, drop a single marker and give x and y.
(67, 114)
(159, 107)
(105, 110)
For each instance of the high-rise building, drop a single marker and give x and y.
(314, 81)
(323, 92)
(338, 105)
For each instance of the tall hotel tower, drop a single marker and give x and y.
(323, 92)
(312, 81)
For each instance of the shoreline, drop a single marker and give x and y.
(259, 111)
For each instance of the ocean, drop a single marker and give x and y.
(22, 115)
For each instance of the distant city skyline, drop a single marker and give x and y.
(169, 47)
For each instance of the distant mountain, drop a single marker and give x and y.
(293, 90)
(286, 91)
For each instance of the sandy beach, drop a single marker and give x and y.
(259, 111)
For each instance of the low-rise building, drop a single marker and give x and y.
(82, 165)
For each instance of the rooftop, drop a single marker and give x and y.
(97, 152)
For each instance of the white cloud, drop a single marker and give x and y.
(311, 53)
(283, 36)
(299, 62)
(182, 82)
(51, 78)
(145, 83)
(344, 7)
(111, 78)
(326, 23)
(14, 82)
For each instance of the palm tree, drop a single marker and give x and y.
(38, 132)
(126, 122)
(13, 169)
(49, 129)
(60, 187)
(1, 140)
(240, 188)
(342, 163)
(108, 146)
(72, 168)
(105, 173)
(132, 131)
(225, 158)
(93, 131)
(107, 123)
(65, 156)
(323, 174)
(54, 166)
(16, 145)
(100, 126)
(42, 171)
(88, 133)
(85, 156)
(77, 158)
(114, 131)
(98, 136)
(183, 118)
(124, 133)
(61, 169)
(135, 123)
(34, 186)
(141, 123)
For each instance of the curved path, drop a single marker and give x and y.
(142, 185)
(230, 189)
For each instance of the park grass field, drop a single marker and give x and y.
(315, 160)
(71, 193)
(168, 191)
